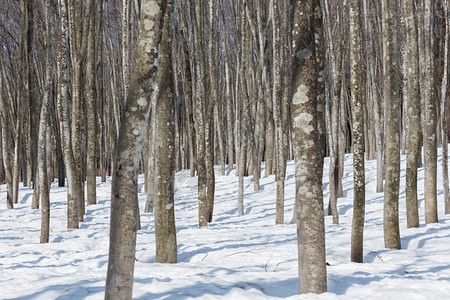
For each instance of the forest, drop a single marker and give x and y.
(305, 103)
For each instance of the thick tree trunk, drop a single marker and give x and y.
(124, 198)
(308, 155)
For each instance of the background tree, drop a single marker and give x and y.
(166, 241)
(359, 181)
(412, 94)
(391, 193)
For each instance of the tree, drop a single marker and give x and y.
(124, 205)
(91, 108)
(6, 140)
(412, 95)
(335, 56)
(358, 134)
(430, 117)
(391, 193)
(277, 112)
(444, 125)
(64, 116)
(199, 72)
(308, 154)
(44, 123)
(165, 232)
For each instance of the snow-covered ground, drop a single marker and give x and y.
(236, 257)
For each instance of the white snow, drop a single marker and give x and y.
(235, 257)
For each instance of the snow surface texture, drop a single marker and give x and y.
(235, 257)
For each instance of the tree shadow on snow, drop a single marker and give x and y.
(74, 291)
(280, 288)
(423, 237)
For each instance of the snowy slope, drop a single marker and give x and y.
(236, 257)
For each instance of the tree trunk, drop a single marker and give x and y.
(444, 125)
(209, 120)
(430, 119)
(229, 100)
(6, 140)
(277, 113)
(124, 198)
(412, 95)
(91, 111)
(196, 18)
(359, 182)
(308, 155)
(44, 124)
(165, 232)
(391, 193)
(126, 24)
(64, 116)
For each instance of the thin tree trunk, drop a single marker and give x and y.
(44, 125)
(165, 232)
(209, 120)
(359, 183)
(6, 141)
(391, 194)
(277, 113)
(196, 18)
(91, 97)
(229, 101)
(444, 125)
(64, 116)
(430, 120)
(126, 20)
(412, 95)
